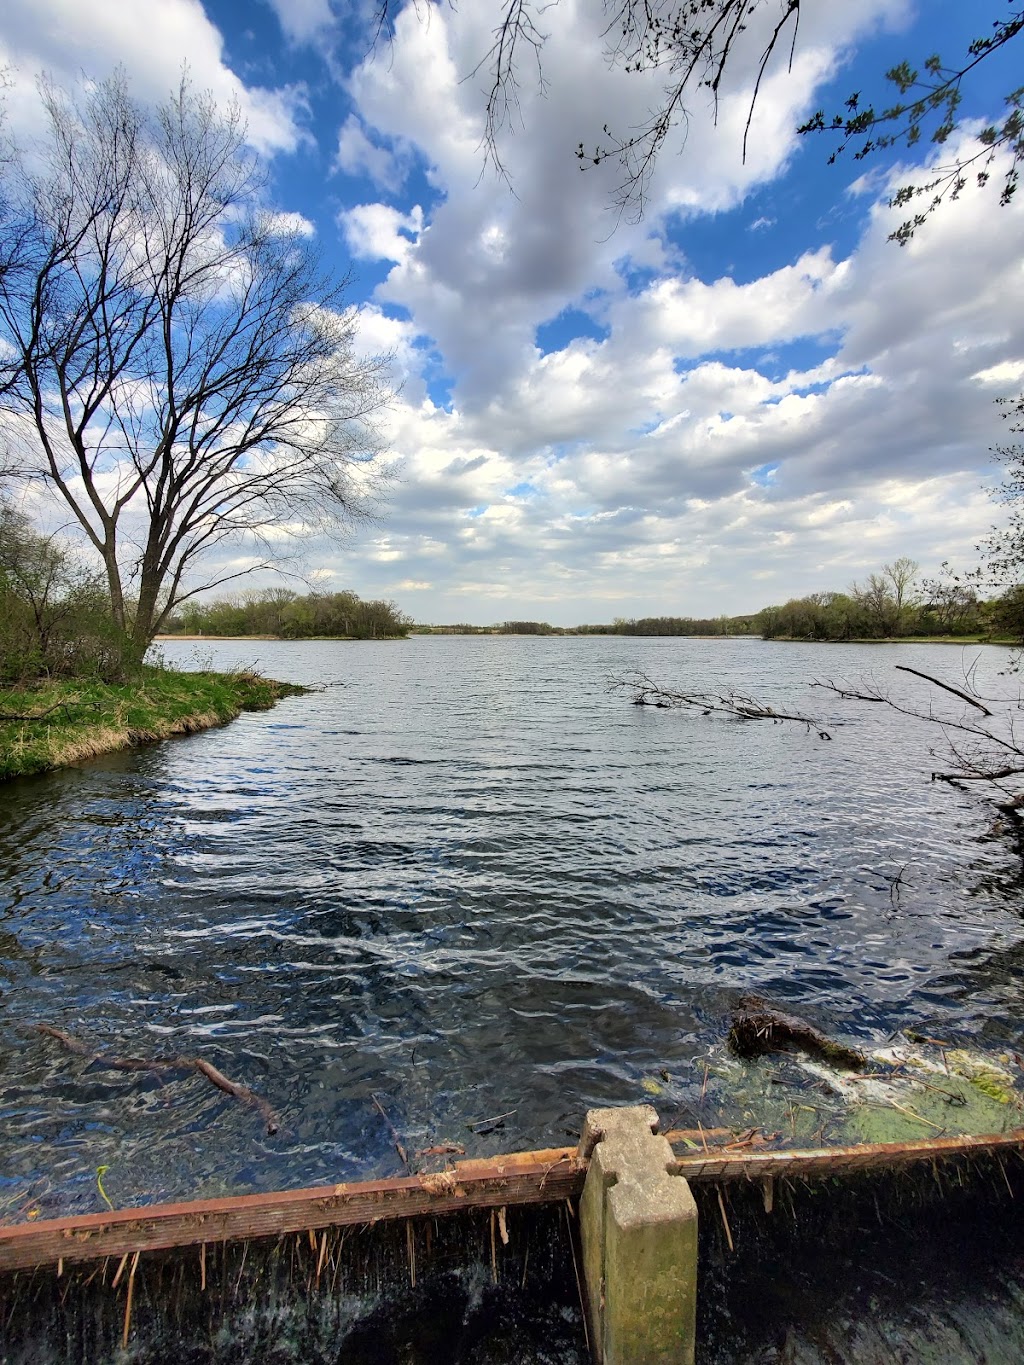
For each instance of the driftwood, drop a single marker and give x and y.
(759, 1028)
(644, 691)
(162, 1064)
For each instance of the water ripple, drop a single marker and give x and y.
(470, 882)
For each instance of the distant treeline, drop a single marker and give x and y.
(676, 625)
(892, 604)
(647, 625)
(286, 614)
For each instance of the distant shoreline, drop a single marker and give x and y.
(569, 633)
(283, 639)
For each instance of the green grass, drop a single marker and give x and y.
(54, 724)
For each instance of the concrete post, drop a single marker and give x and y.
(638, 1227)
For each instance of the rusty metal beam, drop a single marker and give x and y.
(722, 1164)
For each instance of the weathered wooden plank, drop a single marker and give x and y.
(517, 1178)
(721, 1164)
(522, 1178)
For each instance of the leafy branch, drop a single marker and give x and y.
(935, 100)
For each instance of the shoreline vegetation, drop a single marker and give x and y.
(1006, 640)
(1003, 640)
(895, 604)
(55, 724)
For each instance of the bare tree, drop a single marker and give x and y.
(888, 596)
(177, 366)
(902, 576)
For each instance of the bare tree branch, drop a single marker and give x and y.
(644, 691)
(988, 750)
(946, 687)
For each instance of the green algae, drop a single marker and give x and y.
(982, 1073)
(904, 1094)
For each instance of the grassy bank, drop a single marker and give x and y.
(53, 724)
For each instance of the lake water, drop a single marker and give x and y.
(467, 880)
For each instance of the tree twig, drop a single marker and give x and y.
(946, 687)
(65, 706)
(393, 1131)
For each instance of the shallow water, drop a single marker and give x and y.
(467, 880)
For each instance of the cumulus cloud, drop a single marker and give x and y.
(630, 467)
(288, 225)
(358, 155)
(377, 232)
(154, 42)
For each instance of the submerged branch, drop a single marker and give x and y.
(162, 1064)
(644, 691)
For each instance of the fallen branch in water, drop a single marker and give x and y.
(238, 1092)
(946, 687)
(162, 1064)
(646, 692)
(395, 1137)
(847, 693)
(758, 1028)
(982, 745)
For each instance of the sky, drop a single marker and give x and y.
(747, 395)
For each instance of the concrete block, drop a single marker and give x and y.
(638, 1228)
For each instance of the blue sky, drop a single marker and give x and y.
(747, 395)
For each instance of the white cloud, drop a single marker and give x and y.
(376, 232)
(495, 264)
(153, 42)
(302, 20)
(619, 469)
(357, 155)
(288, 225)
